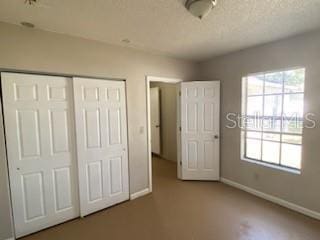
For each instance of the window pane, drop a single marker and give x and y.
(273, 83)
(272, 105)
(256, 135)
(272, 125)
(253, 123)
(271, 137)
(291, 155)
(255, 85)
(292, 139)
(253, 149)
(292, 126)
(254, 106)
(271, 152)
(293, 105)
(294, 80)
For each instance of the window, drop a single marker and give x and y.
(273, 117)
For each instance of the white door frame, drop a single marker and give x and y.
(148, 80)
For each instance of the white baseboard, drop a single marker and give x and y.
(273, 199)
(139, 194)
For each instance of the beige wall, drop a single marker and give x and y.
(168, 115)
(302, 51)
(27, 49)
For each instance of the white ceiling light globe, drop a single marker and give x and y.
(200, 8)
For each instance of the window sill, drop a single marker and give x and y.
(289, 170)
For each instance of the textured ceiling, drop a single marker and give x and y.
(165, 27)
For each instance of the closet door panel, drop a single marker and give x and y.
(101, 143)
(38, 114)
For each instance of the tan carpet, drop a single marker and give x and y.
(179, 210)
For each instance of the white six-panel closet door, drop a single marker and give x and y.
(101, 129)
(39, 126)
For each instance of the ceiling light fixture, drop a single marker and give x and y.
(30, 2)
(126, 40)
(200, 8)
(36, 3)
(27, 24)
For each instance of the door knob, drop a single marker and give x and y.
(157, 126)
(216, 136)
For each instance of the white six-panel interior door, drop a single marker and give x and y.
(39, 127)
(46, 169)
(200, 114)
(155, 120)
(101, 142)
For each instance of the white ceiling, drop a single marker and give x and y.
(165, 27)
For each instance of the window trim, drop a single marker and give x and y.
(271, 165)
(244, 108)
(274, 71)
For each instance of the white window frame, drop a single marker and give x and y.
(244, 99)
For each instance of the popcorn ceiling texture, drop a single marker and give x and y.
(166, 27)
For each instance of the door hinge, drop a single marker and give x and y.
(180, 93)
(180, 129)
(180, 163)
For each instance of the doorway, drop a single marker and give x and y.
(197, 127)
(162, 107)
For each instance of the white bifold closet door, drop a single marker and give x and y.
(101, 127)
(39, 127)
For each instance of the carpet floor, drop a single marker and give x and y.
(178, 210)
